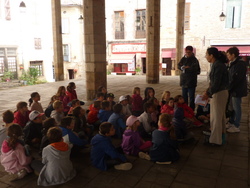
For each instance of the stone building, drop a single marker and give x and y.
(126, 31)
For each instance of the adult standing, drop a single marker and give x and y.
(190, 68)
(218, 90)
(237, 87)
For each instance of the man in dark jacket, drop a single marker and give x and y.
(190, 68)
(237, 87)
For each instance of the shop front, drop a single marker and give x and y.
(126, 58)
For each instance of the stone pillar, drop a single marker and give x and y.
(179, 32)
(57, 39)
(153, 41)
(95, 46)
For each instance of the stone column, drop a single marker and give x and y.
(95, 46)
(179, 32)
(153, 41)
(57, 39)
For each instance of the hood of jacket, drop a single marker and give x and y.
(5, 147)
(128, 132)
(100, 139)
(61, 146)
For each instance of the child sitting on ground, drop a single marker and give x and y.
(21, 115)
(132, 143)
(61, 95)
(165, 98)
(13, 157)
(105, 112)
(8, 118)
(147, 123)
(50, 108)
(74, 103)
(70, 137)
(58, 113)
(203, 110)
(58, 168)
(165, 148)
(34, 102)
(48, 123)
(103, 153)
(168, 108)
(33, 130)
(125, 107)
(110, 98)
(92, 117)
(137, 105)
(71, 93)
(102, 89)
(149, 92)
(116, 119)
(188, 111)
(81, 127)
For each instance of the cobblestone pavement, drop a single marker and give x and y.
(199, 166)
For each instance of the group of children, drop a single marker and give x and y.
(148, 128)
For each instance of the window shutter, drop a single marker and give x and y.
(7, 10)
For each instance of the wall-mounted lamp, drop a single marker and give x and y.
(80, 19)
(222, 16)
(22, 7)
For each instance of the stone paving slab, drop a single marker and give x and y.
(199, 165)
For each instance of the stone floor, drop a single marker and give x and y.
(199, 166)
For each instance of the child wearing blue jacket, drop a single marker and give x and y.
(105, 112)
(116, 119)
(165, 148)
(70, 137)
(103, 153)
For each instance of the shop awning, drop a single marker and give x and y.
(244, 50)
(121, 58)
(168, 53)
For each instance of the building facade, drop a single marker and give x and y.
(126, 28)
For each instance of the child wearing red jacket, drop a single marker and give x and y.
(137, 104)
(21, 115)
(188, 111)
(92, 117)
(168, 108)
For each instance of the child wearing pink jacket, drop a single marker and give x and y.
(13, 157)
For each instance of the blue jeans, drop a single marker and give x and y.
(189, 92)
(235, 119)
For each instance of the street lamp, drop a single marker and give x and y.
(22, 7)
(80, 19)
(222, 16)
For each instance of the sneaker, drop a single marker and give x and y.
(17, 176)
(233, 130)
(123, 166)
(22, 173)
(167, 162)
(228, 125)
(207, 133)
(143, 155)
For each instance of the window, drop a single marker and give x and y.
(119, 25)
(66, 52)
(37, 43)
(8, 60)
(7, 10)
(38, 65)
(187, 17)
(233, 13)
(65, 25)
(140, 24)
